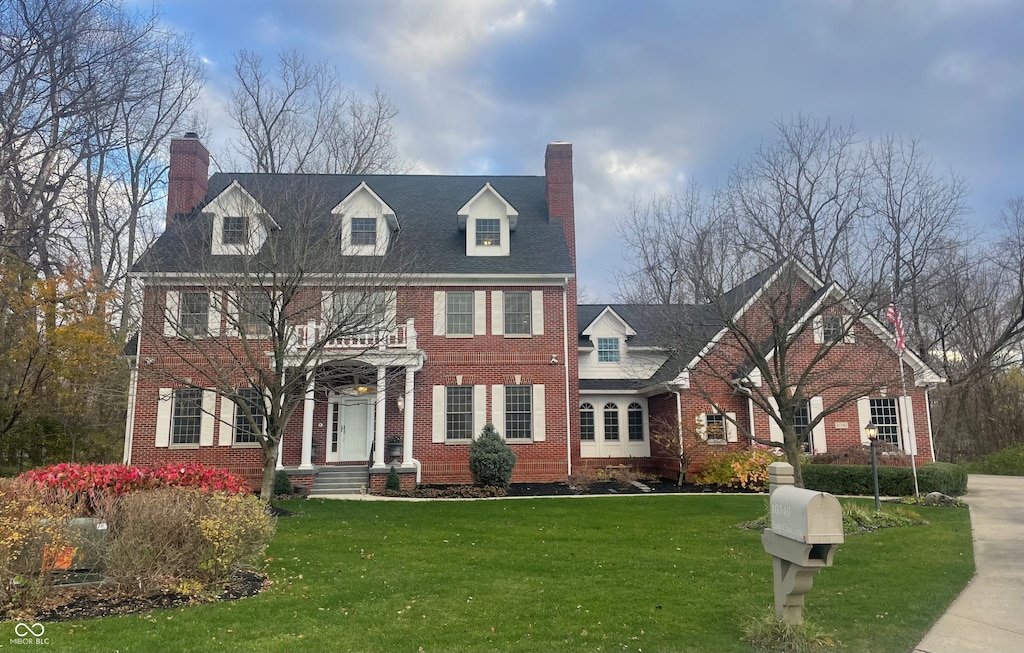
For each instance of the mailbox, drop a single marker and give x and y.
(806, 528)
(806, 516)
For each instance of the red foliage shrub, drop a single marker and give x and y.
(94, 479)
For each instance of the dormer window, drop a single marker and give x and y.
(235, 230)
(364, 231)
(488, 221)
(607, 350)
(488, 232)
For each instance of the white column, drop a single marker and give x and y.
(307, 425)
(280, 444)
(407, 426)
(379, 418)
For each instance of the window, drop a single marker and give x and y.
(517, 313)
(459, 308)
(252, 400)
(607, 350)
(254, 315)
(611, 421)
(187, 418)
(883, 414)
(234, 230)
(518, 412)
(715, 427)
(635, 422)
(587, 422)
(488, 232)
(193, 316)
(833, 328)
(801, 418)
(459, 412)
(364, 231)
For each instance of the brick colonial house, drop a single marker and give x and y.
(479, 325)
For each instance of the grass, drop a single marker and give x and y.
(598, 574)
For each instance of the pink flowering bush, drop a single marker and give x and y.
(92, 480)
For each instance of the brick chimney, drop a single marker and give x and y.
(558, 190)
(187, 177)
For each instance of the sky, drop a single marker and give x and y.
(652, 94)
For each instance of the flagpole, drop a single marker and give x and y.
(903, 425)
(892, 316)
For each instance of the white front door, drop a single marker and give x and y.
(350, 427)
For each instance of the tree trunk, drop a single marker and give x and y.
(269, 469)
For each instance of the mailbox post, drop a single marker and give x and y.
(806, 527)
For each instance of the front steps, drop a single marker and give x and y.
(341, 479)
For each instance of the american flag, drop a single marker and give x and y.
(892, 315)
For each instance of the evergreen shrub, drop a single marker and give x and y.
(491, 461)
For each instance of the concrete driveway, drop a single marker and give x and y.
(989, 614)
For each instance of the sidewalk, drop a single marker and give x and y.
(989, 614)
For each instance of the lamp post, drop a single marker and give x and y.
(871, 431)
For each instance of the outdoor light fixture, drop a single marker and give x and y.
(400, 402)
(363, 389)
(871, 431)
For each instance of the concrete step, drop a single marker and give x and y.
(347, 479)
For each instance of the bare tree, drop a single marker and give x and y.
(803, 195)
(254, 326)
(300, 118)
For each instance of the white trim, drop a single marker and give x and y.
(407, 279)
(627, 329)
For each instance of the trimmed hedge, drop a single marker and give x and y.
(892, 481)
(1008, 462)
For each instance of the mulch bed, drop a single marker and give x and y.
(88, 601)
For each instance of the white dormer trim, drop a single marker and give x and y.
(236, 201)
(363, 202)
(626, 329)
(488, 204)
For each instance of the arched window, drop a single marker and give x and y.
(635, 422)
(611, 422)
(586, 422)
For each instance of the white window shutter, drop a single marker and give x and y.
(863, 417)
(702, 426)
(848, 336)
(164, 412)
(231, 323)
(438, 417)
(497, 313)
(907, 415)
(730, 428)
(326, 311)
(539, 420)
(440, 313)
(172, 302)
(816, 407)
(479, 409)
(480, 312)
(213, 315)
(819, 329)
(498, 408)
(537, 310)
(774, 431)
(208, 422)
(391, 310)
(226, 425)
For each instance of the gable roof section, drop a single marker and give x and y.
(424, 205)
(609, 311)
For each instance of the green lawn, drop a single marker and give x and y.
(666, 573)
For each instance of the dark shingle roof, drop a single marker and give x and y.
(425, 206)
